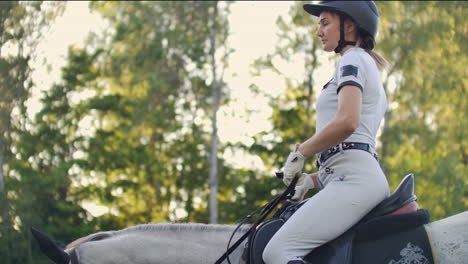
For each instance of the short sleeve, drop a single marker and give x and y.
(350, 71)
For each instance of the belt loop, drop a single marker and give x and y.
(341, 148)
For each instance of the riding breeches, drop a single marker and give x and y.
(352, 184)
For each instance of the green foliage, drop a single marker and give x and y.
(148, 155)
(145, 157)
(23, 202)
(42, 186)
(293, 116)
(425, 132)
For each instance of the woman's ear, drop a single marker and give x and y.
(349, 26)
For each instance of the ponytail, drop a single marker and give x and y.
(367, 43)
(379, 59)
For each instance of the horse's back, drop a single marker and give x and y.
(449, 239)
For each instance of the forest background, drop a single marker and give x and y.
(135, 128)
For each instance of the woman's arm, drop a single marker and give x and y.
(341, 127)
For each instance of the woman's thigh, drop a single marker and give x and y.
(346, 198)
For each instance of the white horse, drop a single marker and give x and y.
(204, 244)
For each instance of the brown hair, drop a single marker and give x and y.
(367, 43)
(379, 59)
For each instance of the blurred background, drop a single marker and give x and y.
(120, 113)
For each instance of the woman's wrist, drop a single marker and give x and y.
(314, 177)
(301, 149)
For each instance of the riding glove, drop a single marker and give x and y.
(293, 167)
(302, 189)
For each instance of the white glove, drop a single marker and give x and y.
(293, 167)
(302, 189)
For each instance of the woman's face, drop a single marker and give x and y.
(329, 30)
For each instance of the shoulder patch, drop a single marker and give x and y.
(349, 70)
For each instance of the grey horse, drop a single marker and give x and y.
(204, 244)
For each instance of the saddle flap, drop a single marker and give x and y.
(382, 226)
(260, 239)
(403, 195)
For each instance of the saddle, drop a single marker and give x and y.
(391, 233)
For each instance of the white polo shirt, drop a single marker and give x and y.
(356, 67)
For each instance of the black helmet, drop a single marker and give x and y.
(364, 14)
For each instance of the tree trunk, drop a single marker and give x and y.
(310, 91)
(2, 180)
(214, 173)
(216, 95)
(5, 210)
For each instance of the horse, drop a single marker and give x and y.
(172, 243)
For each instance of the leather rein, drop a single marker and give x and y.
(264, 212)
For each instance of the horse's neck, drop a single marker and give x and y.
(185, 245)
(195, 246)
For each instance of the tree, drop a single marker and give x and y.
(43, 171)
(424, 128)
(217, 86)
(293, 115)
(21, 28)
(148, 151)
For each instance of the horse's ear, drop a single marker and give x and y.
(50, 248)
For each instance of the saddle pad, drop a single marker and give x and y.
(410, 246)
(393, 239)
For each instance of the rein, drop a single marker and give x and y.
(265, 211)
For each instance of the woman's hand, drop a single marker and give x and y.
(301, 190)
(293, 167)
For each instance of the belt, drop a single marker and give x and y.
(325, 155)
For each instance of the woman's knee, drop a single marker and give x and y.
(267, 253)
(272, 253)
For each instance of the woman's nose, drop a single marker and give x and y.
(319, 33)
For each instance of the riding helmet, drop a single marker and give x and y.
(364, 13)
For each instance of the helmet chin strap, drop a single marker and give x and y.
(342, 42)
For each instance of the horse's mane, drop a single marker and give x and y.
(176, 227)
(158, 227)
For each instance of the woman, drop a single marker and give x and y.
(349, 111)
